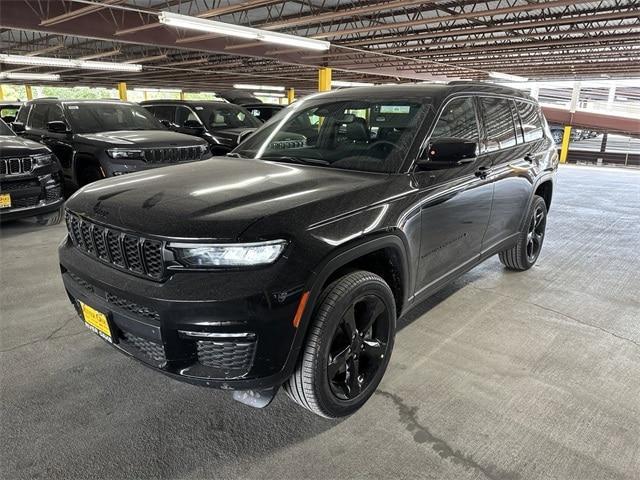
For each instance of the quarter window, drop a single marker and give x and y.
(498, 122)
(530, 119)
(458, 120)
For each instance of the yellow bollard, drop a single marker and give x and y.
(122, 90)
(324, 79)
(566, 138)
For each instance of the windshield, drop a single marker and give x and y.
(5, 131)
(368, 135)
(218, 117)
(109, 116)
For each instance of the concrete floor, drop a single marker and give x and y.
(501, 376)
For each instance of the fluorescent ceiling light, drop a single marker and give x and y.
(341, 83)
(29, 76)
(69, 63)
(203, 25)
(506, 76)
(246, 86)
(150, 89)
(269, 94)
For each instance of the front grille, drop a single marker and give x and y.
(148, 348)
(132, 307)
(228, 356)
(19, 185)
(15, 166)
(24, 202)
(124, 251)
(172, 154)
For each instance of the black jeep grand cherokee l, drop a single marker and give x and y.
(94, 139)
(30, 180)
(290, 264)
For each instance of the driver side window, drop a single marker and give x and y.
(458, 120)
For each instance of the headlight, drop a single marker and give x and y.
(228, 254)
(42, 160)
(125, 153)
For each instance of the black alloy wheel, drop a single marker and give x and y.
(358, 347)
(535, 233)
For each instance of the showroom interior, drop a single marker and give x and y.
(179, 254)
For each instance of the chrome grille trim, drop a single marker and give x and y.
(16, 166)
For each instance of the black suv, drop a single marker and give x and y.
(288, 265)
(30, 180)
(94, 139)
(223, 125)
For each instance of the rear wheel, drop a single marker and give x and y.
(523, 255)
(348, 346)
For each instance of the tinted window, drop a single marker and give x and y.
(457, 120)
(498, 123)
(162, 112)
(183, 114)
(23, 113)
(530, 120)
(39, 114)
(370, 135)
(5, 130)
(55, 114)
(109, 116)
(226, 116)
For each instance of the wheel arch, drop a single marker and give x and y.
(82, 160)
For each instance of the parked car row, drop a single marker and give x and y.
(87, 140)
(577, 134)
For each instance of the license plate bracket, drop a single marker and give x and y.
(96, 321)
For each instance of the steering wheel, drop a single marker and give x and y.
(383, 145)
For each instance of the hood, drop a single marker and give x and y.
(218, 198)
(13, 146)
(142, 138)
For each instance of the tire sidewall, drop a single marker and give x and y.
(331, 316)
(537, 202)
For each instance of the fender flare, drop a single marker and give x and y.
(549, 176)
(331, 265)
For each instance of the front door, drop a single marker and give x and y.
(456, 202)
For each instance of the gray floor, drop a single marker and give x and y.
(502, 375)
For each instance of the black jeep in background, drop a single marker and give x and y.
(223, 125)
(289, 264)
(30, 180)
(94, 139)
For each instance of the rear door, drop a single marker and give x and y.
(511, 168)
(457, 202)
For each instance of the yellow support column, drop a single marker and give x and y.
(122, 90)
(291, 95)
(29, 92)
(1, 92)
(324, 79)
(566, 138)
(182, 96)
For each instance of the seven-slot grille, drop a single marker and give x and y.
(172, 154)
(128, 252)
(15, 166)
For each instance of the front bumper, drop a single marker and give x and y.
(207, 328)
(31, 195)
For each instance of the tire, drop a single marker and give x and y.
(557, 136)
(523, 255)
(319, 383)
(53, 218)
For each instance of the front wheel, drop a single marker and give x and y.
(523, 255)
(348, 347)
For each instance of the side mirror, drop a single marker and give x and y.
(57, 126)
(193, 125)
(448, 153)
(18, 127)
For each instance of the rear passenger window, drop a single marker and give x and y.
(498, 123)
(531, 121)
(39, 114)
(458, 120)
(23, 113)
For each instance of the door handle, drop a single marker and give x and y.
(482, 172)
(519, 169)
